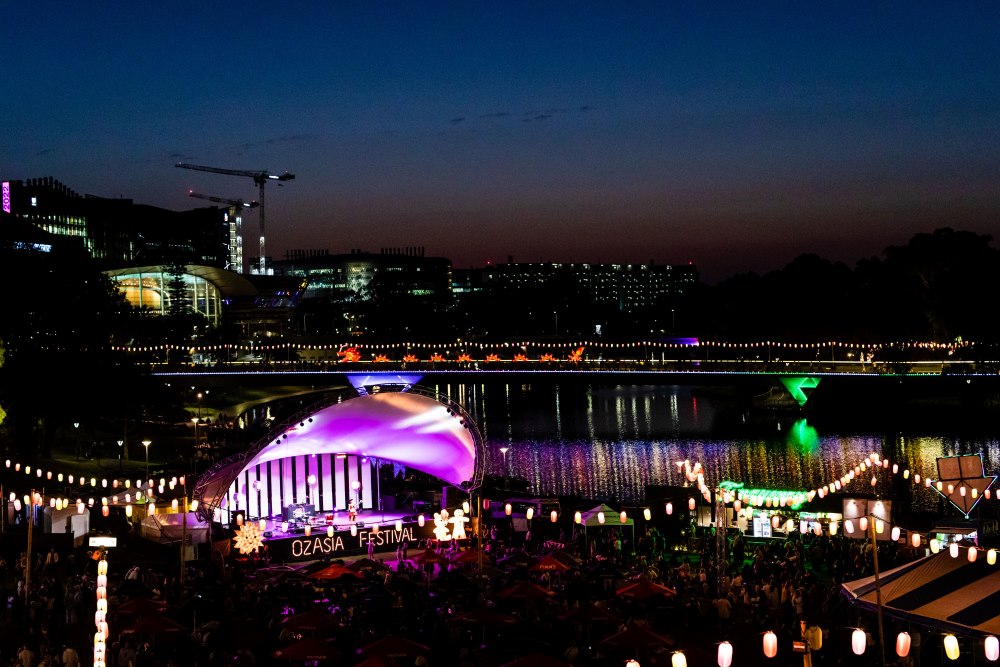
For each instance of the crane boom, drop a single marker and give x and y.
(260, 177)
(238, 203)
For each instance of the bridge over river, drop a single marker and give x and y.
(781, 384)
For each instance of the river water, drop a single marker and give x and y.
(610, 441)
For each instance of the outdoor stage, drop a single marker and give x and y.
(386, 531)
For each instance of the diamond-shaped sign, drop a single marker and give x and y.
(963, 480)
(797, 387)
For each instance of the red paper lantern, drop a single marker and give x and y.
(903, 644)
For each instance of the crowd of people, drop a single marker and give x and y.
(238, 613)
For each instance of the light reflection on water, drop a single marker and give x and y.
(610, 442)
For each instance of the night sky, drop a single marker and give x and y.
(734, 136)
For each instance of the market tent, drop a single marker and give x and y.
(612, 519)
(937, 591)
(170, 527)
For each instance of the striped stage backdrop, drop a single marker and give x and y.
(263, 491)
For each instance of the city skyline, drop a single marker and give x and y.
(732, 138)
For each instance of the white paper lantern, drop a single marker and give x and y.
(578, 518)
(973, 553)
(858, 641)
(507, 509)
(895, 534)
(863, 524)
(935, 545)
(725, 658)
(600, 517)
(678, 659)
(623, 518)
(670, 509)
(953, 549)
(770, 644)
(691, 503)
(529, 513)
(915, 540)
(951, 647)
(354, 530)
(554, 516)
(991, 556)
(992, 647)
(329, 531)
(421, 520)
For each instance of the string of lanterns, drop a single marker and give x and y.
(598, 344)
(127, 496)
(100, 616)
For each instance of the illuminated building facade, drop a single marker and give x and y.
(362, 276)
(631, 288)
(119, 232)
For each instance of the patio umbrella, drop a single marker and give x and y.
(310, 649)
(644, 589)
(139, 607)
(365, 565)
(427, 556)
(516, 561)
(637, 638)
(589, 613)
(395, 648)
(333, 572)
(537, 660)
(156, 625)
(312, 620)
(466, 557)
(133, 588)
(486, 617)
(525, 590)
(549, 564)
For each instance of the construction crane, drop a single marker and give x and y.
(260, 177)
(233, 203)
(235, 221)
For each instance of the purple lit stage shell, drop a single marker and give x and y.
(410, 429)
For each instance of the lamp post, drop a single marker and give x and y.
(76, 427)
(146, 443)
(121, 447)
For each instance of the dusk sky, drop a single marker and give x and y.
(736, 136)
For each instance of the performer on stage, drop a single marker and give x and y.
(352, 512)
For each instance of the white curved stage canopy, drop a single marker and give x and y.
(331, 448)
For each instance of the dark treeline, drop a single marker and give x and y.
(936, 287)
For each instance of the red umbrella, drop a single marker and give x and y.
(637, 638)
(312, 620)
(485, 616)
(589, 613)
(467, 556)
(427, 556)
(367, 565)
(394, 647)
(139, 607)
(549, 564)
(308, 649)
(644, 589)
(537, 660)
(156, 625)
(525, 590)
(334, 571)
